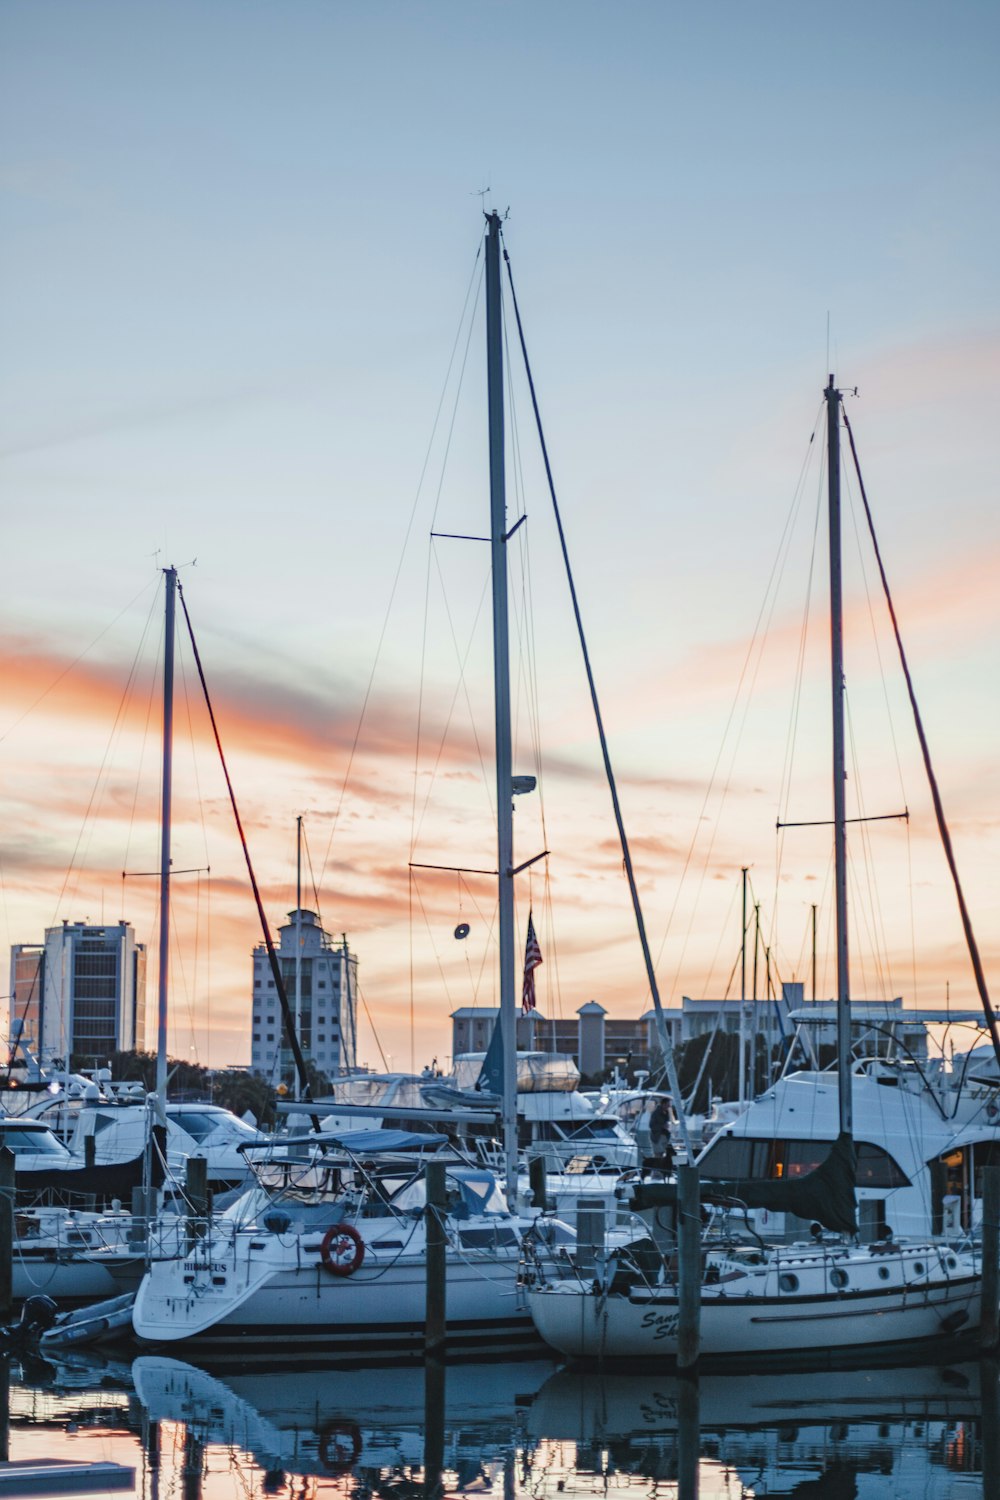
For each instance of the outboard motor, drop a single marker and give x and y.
(37, 1314)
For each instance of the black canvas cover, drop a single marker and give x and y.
(825, 1194)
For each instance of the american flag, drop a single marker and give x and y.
(532, 958)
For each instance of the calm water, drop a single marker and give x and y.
(526, 1429)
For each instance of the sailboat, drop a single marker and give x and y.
(331, 1252)
(783, 1301)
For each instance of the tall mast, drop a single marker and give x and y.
(741, 1087)
(170, 582)
(501, 689)
(833, 399)
(298, 938)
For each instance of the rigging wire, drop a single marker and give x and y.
(279, 983)
(970, 937)
(749, 669)
(527, 656)
(398, 573)
(795, 709)
(664, 1036)
(116, 729)
(77, 660)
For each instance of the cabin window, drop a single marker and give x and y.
(838, 1277)
(738, 1159)
(31, 1142)
(876, 1168)
(788, 1282)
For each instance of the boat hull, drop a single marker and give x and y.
(926, 1298)
(292, 1313)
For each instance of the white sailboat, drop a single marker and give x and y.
(784, 1301)
(269, 1273)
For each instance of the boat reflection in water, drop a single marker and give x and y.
(877, 1433)
(507, 1428)
(370, 1422)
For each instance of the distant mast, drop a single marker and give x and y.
(170, 590)
(298, 941)
(833, 399)
(507, 1019)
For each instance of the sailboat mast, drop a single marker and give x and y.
(170, 599)
(501, 690)
(833, 399)
(298, 937)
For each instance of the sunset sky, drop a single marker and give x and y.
(236, 248)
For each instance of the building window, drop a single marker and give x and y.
(270, 1036)
(256, 1036)
(321, 984)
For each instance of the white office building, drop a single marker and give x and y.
(321, 982)
(81, 993)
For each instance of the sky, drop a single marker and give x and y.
(242, 333)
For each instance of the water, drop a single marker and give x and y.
(512, 1428)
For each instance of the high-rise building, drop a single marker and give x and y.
(81, 993)
(321, 983)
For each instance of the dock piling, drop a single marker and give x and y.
(689, 1267)
(6, 1232)
(436, 1326)
(989, 1326)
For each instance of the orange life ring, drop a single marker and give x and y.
(339, 1238)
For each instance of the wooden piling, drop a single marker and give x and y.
(688, 1435)
(434, 1404)
(196, 1192)
(538, 1180)
(436, 1327)
(4, 1408)
(989, 1426)
(689, 1267)
(989, 1325)
(6, 1232)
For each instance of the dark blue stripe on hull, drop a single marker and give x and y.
(249, 1345)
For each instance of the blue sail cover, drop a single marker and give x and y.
(490, 1078)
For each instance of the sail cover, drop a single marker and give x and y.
(825, 1194)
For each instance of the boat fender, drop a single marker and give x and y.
(343, 1249)
(339, 1444)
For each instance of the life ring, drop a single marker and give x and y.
(337, 1241)
(340, 1443)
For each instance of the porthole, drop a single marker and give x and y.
(883, 1272)
(788, 1283)
(918, 1268)
(952, 1263)
(838, 1276)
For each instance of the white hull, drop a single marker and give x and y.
(303, 1310)
(68, 1279)
(927, 1295)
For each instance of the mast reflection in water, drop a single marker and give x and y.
(512, 1428)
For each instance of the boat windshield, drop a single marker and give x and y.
(31, 1141)
(200, 1124)
(470, 1194)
